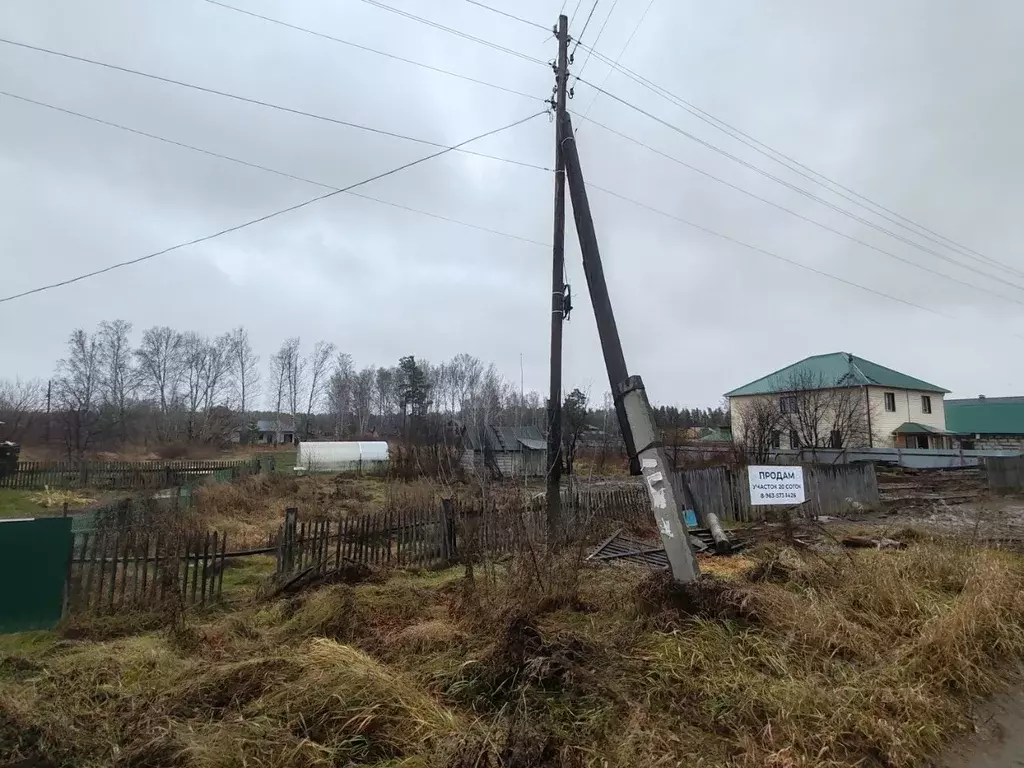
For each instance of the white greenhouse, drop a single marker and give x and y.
(341, 457)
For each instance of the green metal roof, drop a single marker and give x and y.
(913, 428)
(836, 369)
(996, 416)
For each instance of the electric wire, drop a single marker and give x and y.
(770, 254)
(598, 38)
(585, 25)
(258, 102)
(801, 169)
(456, 32)
(622, 51)
(800, 216)
(574, 12)
(801, 190)
(265, 217)
(368, 49)
(508, 15)
(257, 166)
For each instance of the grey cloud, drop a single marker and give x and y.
(914, 104)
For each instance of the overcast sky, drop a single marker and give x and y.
(914, 104)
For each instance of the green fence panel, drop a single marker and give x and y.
(34, 558)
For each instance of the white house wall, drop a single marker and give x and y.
(908, 408)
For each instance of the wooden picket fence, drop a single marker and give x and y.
(433, 536)
(126, 569)
(830, 490)
(120, 475)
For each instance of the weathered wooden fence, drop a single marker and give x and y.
(1005, 474)
(125, 569)
(830, 490)
(435, 535)
(120, 474)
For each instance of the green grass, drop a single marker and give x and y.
(247, 575)
(19, 504)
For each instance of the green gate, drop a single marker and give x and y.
(34, 558)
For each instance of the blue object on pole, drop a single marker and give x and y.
(690, 517)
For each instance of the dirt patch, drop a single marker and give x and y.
(998, 738)
(668, 602)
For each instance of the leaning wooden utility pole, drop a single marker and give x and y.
(554, 454)
(668, 494)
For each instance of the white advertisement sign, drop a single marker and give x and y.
(776, 485)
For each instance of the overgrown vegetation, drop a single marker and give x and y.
(784, 659)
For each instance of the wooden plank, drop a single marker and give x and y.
(83, 558)
(206, 564)
(194, 559)
(99, 545)
(223, 563)
(113, 569)
(136, 564)
(337, 543)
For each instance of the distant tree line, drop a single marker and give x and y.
(113, 389)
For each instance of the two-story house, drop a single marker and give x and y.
(839, 400)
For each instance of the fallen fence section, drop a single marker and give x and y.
(126, 475)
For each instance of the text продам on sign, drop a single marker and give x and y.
(776, 485)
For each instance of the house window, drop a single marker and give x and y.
(776, 439)
(787, 404)
(926, 404)
(794, 439)
(836, 439)
(890, 402)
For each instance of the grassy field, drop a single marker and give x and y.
(777, 659)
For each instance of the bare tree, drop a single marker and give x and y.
(386, 394)
(339, 392)
(362, 399)
(760, 428)
(244, 371)
(195, 354)
(821, 413)
(119, 380)
(78, 388)
(295, 373)
(20, 402)
(318, 365)
(160, 369)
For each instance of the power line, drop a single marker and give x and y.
(800, 190)
(771, 254)
(457, 32)
(509, 15)
(258, 102)
(257, 166)
(585, 25)
(574, 12)
(809, 220)
(598, 38)
(396, 57)
(801, 169)
(617, 58)
(289, 209)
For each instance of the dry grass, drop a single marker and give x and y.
(252, 508)
(50, 498)
(797, 660)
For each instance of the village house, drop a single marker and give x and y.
(505, 451)
(987, 423)
(839, 400)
